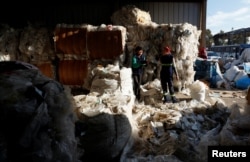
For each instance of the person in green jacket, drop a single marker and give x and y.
(138, 61)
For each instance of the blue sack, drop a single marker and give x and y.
(243, 83)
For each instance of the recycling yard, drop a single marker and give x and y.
(66, 93)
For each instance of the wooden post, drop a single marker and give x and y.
(203, 25)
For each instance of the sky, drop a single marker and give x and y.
(227, 15)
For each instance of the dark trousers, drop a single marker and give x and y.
(136, 85)
(167, 84)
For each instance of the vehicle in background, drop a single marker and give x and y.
(211, 55)
(229, 51)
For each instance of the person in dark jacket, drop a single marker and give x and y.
(166, 74)
(138, 61)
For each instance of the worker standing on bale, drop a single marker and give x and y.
(166, 74)
(138, 61)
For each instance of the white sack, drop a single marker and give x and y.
(198, 90)
(231, 73)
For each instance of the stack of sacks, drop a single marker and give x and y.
(105, 114)
(232, 77)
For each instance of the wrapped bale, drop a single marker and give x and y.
(48, 69)
(72, 72)
(105, 42)
(70, 39)
(36, 116)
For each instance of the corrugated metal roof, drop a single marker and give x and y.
(97, 13)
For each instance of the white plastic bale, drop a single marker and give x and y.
(9, 43)
(36, 41)
(130, 15)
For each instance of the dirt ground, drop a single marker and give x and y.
(228, 96)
